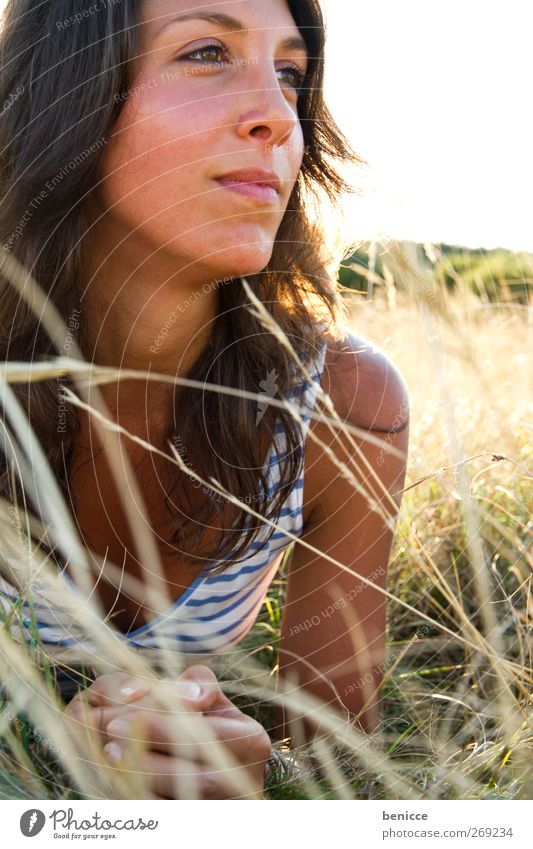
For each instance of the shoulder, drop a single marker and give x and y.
(366, 387)
(368, 391)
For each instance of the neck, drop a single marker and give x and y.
(139, 313)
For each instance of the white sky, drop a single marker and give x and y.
(437, 96)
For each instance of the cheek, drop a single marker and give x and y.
(158, 154)
(156, 174)
(293, 153)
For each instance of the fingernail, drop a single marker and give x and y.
(130, 692)
(118, 727)
(190, 691)
(113, 751)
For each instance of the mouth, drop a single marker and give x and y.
(260, 186)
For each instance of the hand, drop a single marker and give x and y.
(116, 698)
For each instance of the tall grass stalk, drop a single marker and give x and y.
(457, 683)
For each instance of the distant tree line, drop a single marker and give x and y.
(494, 275)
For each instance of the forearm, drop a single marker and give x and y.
(354, 699)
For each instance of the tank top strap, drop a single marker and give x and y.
(305, 397)
(310, 387)
(303, 394)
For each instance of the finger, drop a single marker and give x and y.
(158, 691)
(116, 688)
(175, 778)
(214, 700)
(103, 708)
(244, 738)
(167, 778)
(197, 686)
(156, 731)
(182, 701)
(136, 765)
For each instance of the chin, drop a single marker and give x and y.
(241, 260)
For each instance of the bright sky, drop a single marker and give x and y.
(436, 95)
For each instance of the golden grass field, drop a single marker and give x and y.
(457, 690)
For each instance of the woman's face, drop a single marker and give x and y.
(209, 99)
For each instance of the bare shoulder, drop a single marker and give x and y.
(367, 390)
(365, 386)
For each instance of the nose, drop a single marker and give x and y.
(269, 117)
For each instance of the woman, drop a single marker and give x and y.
(154, 163)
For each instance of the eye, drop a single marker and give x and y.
(211, 53)
(294, 77)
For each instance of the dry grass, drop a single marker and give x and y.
(457, 690)
(457, 719)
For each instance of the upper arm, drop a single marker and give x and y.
(332, 620)
(369, 393)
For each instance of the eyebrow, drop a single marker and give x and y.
(230, 23)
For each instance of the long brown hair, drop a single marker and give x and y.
(57, 79)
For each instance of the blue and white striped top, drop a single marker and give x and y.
(216, 611)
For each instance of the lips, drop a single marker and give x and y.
(251, 177)
(258, 185)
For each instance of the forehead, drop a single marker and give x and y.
(267, 15)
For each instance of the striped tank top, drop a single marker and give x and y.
(216, 611)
